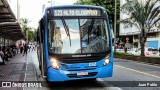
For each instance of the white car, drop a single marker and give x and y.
(132, 51)
(148, 51)
(118, 50)
(152, 52)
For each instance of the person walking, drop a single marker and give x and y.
(2, 55)
(21, 48)
(25, 49)
(4, 49)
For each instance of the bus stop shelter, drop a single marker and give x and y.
(9, 27)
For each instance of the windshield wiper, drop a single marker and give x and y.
(68, 34)
(66, 29)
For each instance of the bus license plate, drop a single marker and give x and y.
(82, 73)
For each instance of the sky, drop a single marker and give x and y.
(32, 9)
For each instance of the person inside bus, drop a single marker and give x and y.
(94, 34)
(94, 40)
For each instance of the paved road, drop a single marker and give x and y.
(124, 70)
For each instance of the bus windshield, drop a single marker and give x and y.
(71, 36)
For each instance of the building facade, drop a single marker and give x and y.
(132, 33)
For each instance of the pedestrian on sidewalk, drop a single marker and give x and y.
(33, 47)
(2, 55)
(4, 49)
(25, 49)
(21, 48)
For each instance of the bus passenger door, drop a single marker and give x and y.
(42, 62)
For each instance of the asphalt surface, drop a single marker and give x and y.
(127, 75)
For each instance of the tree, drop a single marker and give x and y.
(30, 35)
(24, 24)
(142, 15)
(31, 32)
(28, 31)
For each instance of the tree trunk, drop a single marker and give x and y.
(142, 49)
(143, 38)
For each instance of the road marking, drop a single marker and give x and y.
(26, 66)
(139, 62)
(149, 64)
(26, 70)
(138, 71)
(100, 79)
(109, 88)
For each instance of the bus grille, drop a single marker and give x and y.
(80, 59)
(91, 74)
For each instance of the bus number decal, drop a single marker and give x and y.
(58, 12)
(92, 64)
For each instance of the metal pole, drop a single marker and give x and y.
(27, 35)
(115, 10)
(4, 42)
(18, 11)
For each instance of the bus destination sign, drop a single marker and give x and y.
(77, 12)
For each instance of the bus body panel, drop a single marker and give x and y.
(60, 75)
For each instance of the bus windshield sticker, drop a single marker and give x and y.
(76, 12)
(84, 44)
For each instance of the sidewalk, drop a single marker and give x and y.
(14, 70)
(18, 68)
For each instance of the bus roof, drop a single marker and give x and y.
(75, 6)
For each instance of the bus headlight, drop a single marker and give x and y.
(54, 63)
(106, 60)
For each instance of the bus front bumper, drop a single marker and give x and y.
(54, 75)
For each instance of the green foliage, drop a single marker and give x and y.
(24, 25)
(119, 53)
(29, 32)
(31, 35)
(141, 15)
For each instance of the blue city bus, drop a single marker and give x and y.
(74, 42)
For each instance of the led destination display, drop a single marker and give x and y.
(76, 12)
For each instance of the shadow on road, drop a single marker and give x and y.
(77, 84)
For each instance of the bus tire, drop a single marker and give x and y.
(44, 68)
